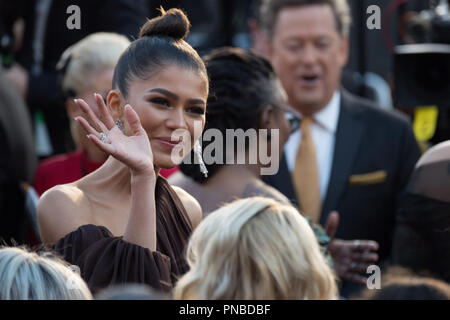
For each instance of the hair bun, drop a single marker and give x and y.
(172, 23)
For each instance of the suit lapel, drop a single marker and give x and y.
(348, 139)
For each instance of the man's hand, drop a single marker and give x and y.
(351, 257)
(19, 77)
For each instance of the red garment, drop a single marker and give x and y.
(61, 169)
(69, 167)
(166, 173)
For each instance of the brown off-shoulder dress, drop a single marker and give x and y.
(105, 259)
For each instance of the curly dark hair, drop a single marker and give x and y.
(242, 85)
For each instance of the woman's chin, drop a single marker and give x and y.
(167, 158)
(165, 162)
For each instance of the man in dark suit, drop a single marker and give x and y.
(348, 155)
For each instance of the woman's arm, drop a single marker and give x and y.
(135, 152)
(141, 226)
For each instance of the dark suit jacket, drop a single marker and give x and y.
(372, 141)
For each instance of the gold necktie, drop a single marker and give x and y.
(305, 175)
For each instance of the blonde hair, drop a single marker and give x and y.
(92, 54)
(89, 56)
(26, 275)
(255, 248)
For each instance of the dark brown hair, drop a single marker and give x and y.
(160, 44)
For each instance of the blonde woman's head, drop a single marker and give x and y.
(255, 248)
(88, 68)
(26, 275)
(89, 56)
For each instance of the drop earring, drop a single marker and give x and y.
(198, 152)
(120, 125)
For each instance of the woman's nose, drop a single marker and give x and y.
(177, 119)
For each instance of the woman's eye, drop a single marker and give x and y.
(196, 110)
(160, 101)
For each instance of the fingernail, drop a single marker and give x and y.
(75, 100)
(76, 118)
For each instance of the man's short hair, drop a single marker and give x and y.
(270, 9)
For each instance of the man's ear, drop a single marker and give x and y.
(266, 118)
(115, 104)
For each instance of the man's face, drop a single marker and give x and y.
(308, 55)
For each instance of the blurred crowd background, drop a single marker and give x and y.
(36, 91)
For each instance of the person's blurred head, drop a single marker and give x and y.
(244, 94)
(88, 68)
(26, 275)
(255, 248)
(257, 36)
(130, 291)
(402, 284)
(422, 236)
(308, 47)
(164, 79)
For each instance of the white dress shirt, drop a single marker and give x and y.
(323, 132)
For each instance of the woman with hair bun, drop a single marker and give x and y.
(124, 222)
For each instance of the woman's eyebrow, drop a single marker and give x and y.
(196, 101)
(173, 96)
(165, 92)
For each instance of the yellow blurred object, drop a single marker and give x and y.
(425, 122)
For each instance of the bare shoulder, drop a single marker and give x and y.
(193, 208)
(59, 213)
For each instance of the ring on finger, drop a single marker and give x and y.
(103, 137)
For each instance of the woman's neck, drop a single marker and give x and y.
(246, 169)
(95, 155)
(113, 177)
(235, 173)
